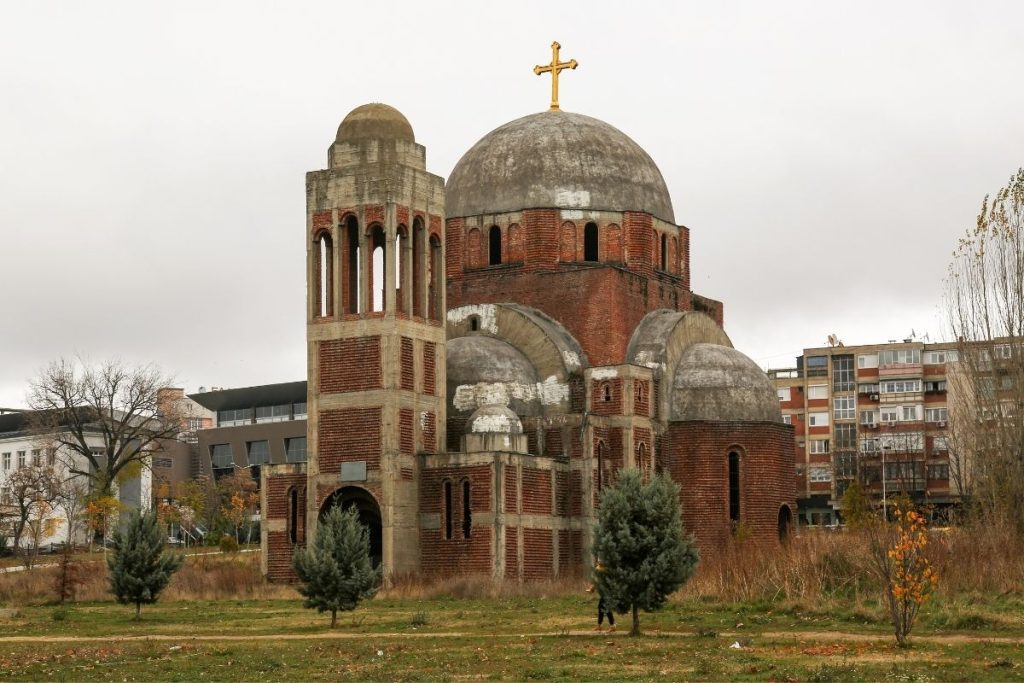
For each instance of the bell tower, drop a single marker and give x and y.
(375, 329)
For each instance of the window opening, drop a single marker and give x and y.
(447, 510)
(606, 392)
(436, 276)
(417, 267)
(377, 267)
(494, 245)
(353, 266)
(734, 486)
(401, 266)
(467, 514)
(474, 323)
(590, 251)
(293, 516)
(664, 251)
(325, 265)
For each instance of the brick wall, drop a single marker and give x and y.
(349, 434)
(429, 370)
(279, 543)
(406, 438)
(458, 554)
(511, 552)
(598, 404)
(696, 456)
(408, 370)
(536, 491)
(538, 554)
(350, 365)
(429, 432)
(641, 398)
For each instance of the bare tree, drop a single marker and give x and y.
(985, 298)
(33, 490)
(111, 403)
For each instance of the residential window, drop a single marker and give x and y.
(817, 366)
(867, 360)
(845, 436)
(51, 456)
(21, 459)
(300, 411)
(868, 417)
(279, 413)
(817, 419)
(295, 449)
(846, 465)
(940, 444)
(819, 474)
(910, 413)
(7, 461)
(901, 386)
(935, 386)
(938, 471)
(783, 393)
(818, 446)
(940, 357)
(220, 456)
(259, 452)
(889, 414)
(37, 457)
(935, 414)
(787, 419)
(1002, 351)
(869, 445)
(842, 373)
(869, 388)
(817, 391)
(195, 424)
(907, 442)
(900, 357)
(845, 407)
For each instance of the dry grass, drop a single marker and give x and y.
(814, 567)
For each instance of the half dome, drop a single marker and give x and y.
(561, 160)
(715, 383)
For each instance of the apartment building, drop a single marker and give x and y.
(876, 413)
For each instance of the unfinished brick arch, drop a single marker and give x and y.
(369, 509)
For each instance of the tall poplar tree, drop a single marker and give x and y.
(640, 545)
(336, 572)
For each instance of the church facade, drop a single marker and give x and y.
(486, 354)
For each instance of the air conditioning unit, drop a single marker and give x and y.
(872, 425)
(942, 423)
(874, 397)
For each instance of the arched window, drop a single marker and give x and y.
(494, 245)
(293, 515)
(606, 392)
(600, 465)
(377, 267)
(734, 486)
(639, 392)
(417, 266)
(641, 457)
(325, 275)
(467, 514)
(353, 266)
(447, 503)
(436, 276)
(664, 251)
(590, 242)
(402, 298)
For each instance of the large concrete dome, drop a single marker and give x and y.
(556, 159)
(375, 121)
(716, 383)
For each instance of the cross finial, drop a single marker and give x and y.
(553, 68)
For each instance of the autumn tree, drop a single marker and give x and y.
(112, 404)
(237, 498)
(985, 302)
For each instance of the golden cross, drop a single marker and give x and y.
(553, 68)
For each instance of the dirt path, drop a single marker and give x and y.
(803, 636)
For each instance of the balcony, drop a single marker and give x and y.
(900, 370)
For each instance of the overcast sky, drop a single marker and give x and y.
(826, 156)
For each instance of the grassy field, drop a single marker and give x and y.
(537, 638)
(809, 613)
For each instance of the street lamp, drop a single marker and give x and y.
(885, 507)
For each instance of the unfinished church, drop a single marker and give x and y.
(484, 355)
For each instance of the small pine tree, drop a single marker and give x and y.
(139, 569)
(640, 545)
(336, 572)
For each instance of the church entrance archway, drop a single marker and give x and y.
(369, 515)
(785, 523)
